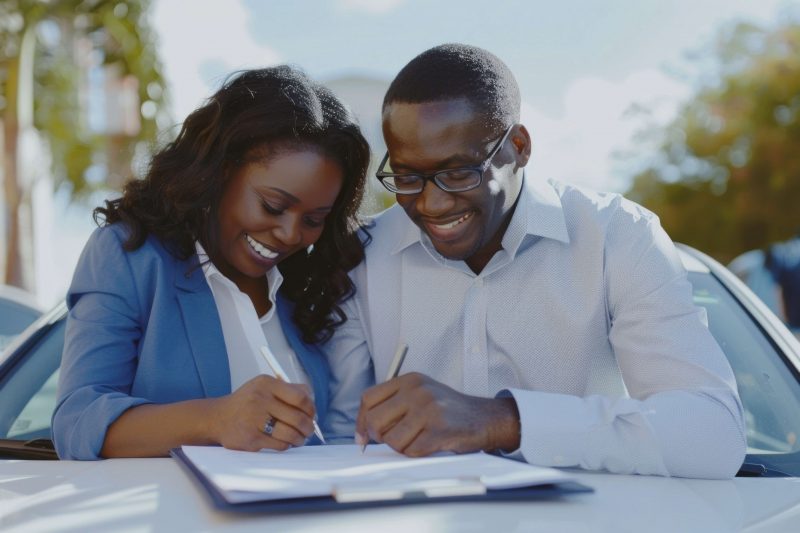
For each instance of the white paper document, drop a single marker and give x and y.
(342, 469)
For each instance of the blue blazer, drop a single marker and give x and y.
(143, 328)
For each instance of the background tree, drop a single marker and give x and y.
(60, 60)
(726, 175)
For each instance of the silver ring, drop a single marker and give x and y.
(269, 427)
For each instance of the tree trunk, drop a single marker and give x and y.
(18, 115)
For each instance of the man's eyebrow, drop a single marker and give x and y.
(454, 161)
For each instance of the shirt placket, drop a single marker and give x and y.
(476, 357)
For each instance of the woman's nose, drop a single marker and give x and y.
(289, 231)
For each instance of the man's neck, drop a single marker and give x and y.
(478, 261)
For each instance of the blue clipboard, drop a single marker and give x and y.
(329, 503)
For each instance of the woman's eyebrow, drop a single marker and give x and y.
(294, 199)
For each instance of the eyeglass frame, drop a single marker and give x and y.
(480, 169)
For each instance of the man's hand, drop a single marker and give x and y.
(418, 416)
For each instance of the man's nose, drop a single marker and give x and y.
(433, 201)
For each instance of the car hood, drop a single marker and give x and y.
(156, 494)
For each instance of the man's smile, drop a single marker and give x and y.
(448, 230)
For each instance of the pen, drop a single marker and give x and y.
(394, 370)
(280, 374)
(397, 362)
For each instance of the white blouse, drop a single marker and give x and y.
(245, 332)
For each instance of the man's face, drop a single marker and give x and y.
(433, 136)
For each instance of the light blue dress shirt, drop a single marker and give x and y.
(585, 316)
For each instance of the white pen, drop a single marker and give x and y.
(394, 370)
(280, 374)
(397, 361)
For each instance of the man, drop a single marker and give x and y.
(544, 322)
(782, 260)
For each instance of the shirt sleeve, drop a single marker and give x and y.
(100, 349)
(351, 374)
(682, 416)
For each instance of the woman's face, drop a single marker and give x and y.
(271, 209)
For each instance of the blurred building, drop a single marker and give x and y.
(364, 95)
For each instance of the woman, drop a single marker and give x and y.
(175, 295)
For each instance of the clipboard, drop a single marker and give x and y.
(412, 497)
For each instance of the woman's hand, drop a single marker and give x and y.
(239, 419)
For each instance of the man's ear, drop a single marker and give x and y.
(521, 140)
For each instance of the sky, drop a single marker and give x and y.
(581, 66)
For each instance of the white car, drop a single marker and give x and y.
(156, 495)
(18, 309)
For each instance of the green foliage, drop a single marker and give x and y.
(74, 38)
(726, 177)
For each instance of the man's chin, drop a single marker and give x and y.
(454, 251)
(459, 249)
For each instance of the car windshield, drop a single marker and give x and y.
(767, 384)
(28, 390)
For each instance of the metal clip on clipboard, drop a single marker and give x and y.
(432, 488)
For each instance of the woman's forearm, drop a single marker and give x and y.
(151, 430)
(235, 421)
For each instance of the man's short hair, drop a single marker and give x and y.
(452, 71)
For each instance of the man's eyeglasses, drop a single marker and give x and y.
(452, 180)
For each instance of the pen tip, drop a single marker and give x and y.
(361, 441)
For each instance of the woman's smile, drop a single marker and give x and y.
(261, 249)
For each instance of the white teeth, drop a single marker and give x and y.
(454, 223)
(263, 252)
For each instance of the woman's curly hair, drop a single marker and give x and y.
(256, 114)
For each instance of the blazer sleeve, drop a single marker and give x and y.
(103, 329)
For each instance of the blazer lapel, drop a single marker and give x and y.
(203, 327)
(312, 359)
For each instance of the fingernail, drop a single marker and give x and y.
(360, 439)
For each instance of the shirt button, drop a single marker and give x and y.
(479, 282)
(475, 349)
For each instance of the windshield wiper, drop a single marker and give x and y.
(759, 470)
(37, 449)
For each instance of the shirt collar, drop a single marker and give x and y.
(538, 213)
(411, 235)
(274, 276)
